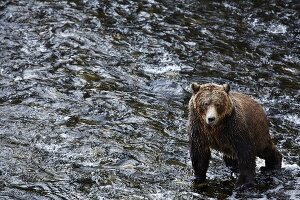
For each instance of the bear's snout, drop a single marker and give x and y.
(211, 115)
(211, 119)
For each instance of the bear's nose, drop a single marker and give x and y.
(211, 120)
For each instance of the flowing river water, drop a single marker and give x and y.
(94, 94)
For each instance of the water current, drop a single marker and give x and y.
(94, 94)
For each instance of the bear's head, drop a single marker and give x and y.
(211, 102)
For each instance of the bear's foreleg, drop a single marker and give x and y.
(199, 147)
(200, 160)
(245, 153)
(247, 171)
(231, 163)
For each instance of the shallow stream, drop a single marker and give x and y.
(94, 94)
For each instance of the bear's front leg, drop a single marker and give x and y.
(231, 163)
(244, 150)
(199, 147)
(200, 156)
(246, 178)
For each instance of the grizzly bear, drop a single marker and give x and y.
(231, 123)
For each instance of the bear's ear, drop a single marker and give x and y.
(226, 87)
(195, 87)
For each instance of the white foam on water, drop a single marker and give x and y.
(292, 58)
(144, 14)
(190, 43)
(292, 167)
(162, 70)
(294, 118)
(167, 69)
(277, 189)
(290, 70)
(161, 195)
(31, 74)
(135, 119)
(175, 195)
(167, 63)
(49, 147)
(294, 194)
(151, 1)
(277, 29)
(255, 22)
(260, 162)
(226, 5)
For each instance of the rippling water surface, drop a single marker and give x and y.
(93, 94)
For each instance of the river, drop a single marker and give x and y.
(94, 94)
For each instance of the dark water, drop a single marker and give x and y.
(93, 94)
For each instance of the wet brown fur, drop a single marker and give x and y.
(241, 132)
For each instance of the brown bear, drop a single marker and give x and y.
(231, 123)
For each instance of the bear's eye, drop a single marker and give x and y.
(205, 104)
(217, 104)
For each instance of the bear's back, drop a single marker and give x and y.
(255, 118)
